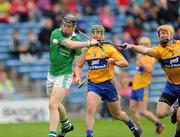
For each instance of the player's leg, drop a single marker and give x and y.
(164, 108)
(166, 100)
(55, 118)
(176, 107)
(118, 114)
(133, 105)
(64, 83)
(93, 101)
(56, 97)
(66, 126)
(142, 109)
(178, 119)
(174, 115)
(116, 111)
(177, 134)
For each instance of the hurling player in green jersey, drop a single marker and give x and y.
(65, 48)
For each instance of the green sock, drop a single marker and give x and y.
(66, 124)
(52, 134)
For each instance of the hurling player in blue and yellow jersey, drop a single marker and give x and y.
(101, 60)
(168, 55)
(141, 86)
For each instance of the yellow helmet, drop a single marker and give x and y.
(166, 27)
(145, 41)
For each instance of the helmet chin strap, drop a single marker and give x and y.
(165, 41)
(64, 34)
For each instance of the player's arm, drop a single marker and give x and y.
(77, 44)
(77, 70)
(139, 48)
(79, 61)
(117, 59)
(146, 67)
(122, 63)
(82, 59)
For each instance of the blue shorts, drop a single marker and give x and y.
(141, 94)
(106, 90)
(173, 90)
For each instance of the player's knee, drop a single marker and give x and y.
(117, 115)
(161, 114)
(52, 105)
(90, 111)
(142, 112)
(132, 109)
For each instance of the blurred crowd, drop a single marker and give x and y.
(142, 11)
(141, 16)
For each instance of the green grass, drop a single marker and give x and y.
(103, 128)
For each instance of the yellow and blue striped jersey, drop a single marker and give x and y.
(98, 69)
(142, 78)
(169, 58)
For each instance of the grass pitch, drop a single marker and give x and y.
(103, 128)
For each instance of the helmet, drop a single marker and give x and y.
(170, 30)
(145, 41)
(69, 18)
(97, 28)
(166, 27)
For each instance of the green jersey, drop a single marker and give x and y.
(61, 57)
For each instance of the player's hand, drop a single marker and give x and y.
(92, 42)
(111, 61)
(139, 56)
(126, 45)
(75, 79)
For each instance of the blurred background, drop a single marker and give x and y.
(25, 29)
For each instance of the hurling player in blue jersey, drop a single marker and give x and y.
(101, 60)
(167, 52)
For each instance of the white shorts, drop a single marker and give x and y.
(63, 81)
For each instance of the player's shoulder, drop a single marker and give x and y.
(158, 47)
(77, 37)
(56, 31)
(108, 46)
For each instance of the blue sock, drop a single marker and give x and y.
(89, 133)
(158, 124)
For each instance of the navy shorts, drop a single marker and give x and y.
(141, 94)
(171, 94)
(106, 90)
(173, 90)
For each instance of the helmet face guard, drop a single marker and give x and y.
(170, 30)
(71, 20)
(164, 42)
(98, 28)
